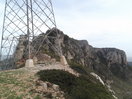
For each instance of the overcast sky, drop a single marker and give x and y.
(104, 23)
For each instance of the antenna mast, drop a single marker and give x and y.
(24, 19)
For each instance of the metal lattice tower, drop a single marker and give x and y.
(24, 17)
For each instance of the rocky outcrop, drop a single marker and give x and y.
(105, 61)
(97, 77)
(112, 55)
(114, 59)
(48, 90)
(54, 43)
(20, 52)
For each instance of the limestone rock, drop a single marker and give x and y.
(46, 89)
(53, 60)
(106, 61)
(98, 77)
(20, 48)
(43, 57)
(55, 87)
(112, 55)
(43, 85)
(114, 60)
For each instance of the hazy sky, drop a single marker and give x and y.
(104, 23)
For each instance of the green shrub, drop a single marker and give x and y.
(64, 79)
(75, 87)
(86, 89)
(37, 97)
(77, 67)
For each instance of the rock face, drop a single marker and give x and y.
(112, 55)
(48, 90)
(114, 59)
(20, 52)
(97, 77)
(105, 61)
(20, 48)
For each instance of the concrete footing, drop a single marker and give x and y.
(29, 63)
(63, 60)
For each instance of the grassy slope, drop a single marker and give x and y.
(123, 88)
(16, 84)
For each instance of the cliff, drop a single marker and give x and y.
(105, 61)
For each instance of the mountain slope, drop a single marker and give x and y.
(130, 63)
(102, 60)
(53, 83)
(108, 63)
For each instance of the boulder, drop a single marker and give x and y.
(45, 87)
(55, 87)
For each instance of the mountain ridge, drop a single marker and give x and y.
(109, 63)
(79, 51)
(129, 59)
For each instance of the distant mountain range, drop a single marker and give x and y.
(130, 63)
(129, 59)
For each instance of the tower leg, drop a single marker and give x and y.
(29, 63)
(63, 60)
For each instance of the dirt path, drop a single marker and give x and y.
(56, 66)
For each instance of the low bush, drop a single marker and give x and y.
(77, 67)
(75, 87)
(64, 79)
